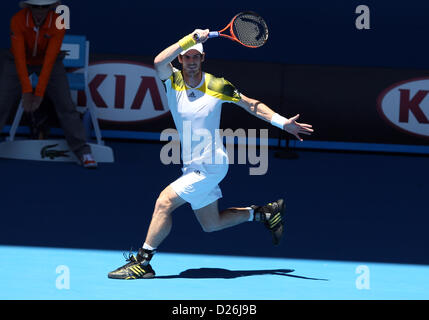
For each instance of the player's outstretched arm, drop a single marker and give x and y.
(163, 60)
(263, 112)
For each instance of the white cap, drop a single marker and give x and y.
(198, 47)
(38, 2)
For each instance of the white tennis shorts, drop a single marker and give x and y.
(200, 187)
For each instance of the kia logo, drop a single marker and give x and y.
(123, 91)
(405, 106)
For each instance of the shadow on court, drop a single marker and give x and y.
(218, 273)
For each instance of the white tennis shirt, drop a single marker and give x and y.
(196, 114)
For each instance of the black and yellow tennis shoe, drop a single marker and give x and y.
(138, 267)
(273, 216)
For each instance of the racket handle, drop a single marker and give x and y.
(212, 34)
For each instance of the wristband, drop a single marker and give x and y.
(278, 121)
(187, 42)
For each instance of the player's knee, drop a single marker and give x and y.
(163, 204)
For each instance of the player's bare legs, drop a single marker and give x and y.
(161, 223)
(159, 228)
(211, 219)
(272, 215)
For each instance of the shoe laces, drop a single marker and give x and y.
(129, 257)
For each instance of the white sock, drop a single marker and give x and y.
(251, 215)
(148, 247)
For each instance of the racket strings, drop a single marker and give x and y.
(250, 30)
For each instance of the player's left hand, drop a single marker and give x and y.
(297, 128)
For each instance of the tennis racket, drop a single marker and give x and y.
(247, 28)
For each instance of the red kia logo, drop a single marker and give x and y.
(405, 106)
(123, 91)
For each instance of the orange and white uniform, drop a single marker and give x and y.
(31, 45)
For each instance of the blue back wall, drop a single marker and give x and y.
(301, 32)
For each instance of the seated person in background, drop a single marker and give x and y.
(41, 120)
(35, 48)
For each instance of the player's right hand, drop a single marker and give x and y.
(201, 35)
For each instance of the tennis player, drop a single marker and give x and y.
(195, 99)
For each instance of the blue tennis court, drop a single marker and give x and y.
(355, 191)
(356, 229)
(200, 277)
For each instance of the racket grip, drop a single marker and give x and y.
(212, 34)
